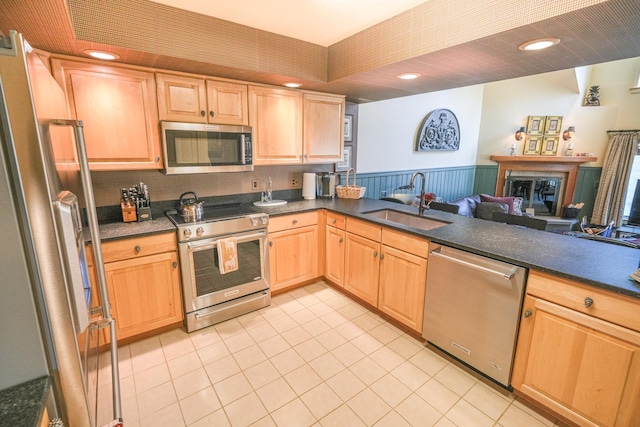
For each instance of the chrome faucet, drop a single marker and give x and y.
(269, 190)
(422, 205)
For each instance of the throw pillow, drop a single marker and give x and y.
(508, 200)
(485, 210)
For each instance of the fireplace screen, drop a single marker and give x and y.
(540, 193)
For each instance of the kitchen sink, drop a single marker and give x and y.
(407, 219)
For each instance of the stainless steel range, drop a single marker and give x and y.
(211, 294)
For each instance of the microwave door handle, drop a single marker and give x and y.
(243, 150)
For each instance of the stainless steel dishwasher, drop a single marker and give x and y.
(472, 308)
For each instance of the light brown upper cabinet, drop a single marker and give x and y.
(275, 117)
(196, 100)
(117, 106)
(292, 127)
(323, 126)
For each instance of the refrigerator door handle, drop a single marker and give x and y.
(92, 217)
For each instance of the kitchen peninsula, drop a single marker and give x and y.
(571, 296)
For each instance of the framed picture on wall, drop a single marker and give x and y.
(532, 145)
(535, 125)
(348, 128)
(552, 126)
(550, 145)
(346, 162)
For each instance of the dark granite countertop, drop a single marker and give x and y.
(23, 405)
(595, 263)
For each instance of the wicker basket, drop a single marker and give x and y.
(350, 191)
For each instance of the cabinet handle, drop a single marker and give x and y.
(588, 302)
(203, 113)
(375, 254)
(211, 113)
(381, 256)
(175, 264)
(341, 240)
(270, 244)
(295, 221)
(157, 159)
(138, 249)
(527, 313)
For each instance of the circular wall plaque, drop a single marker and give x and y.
(439, 131)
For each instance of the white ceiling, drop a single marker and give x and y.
(323, 22)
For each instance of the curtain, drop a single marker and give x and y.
(616, 169)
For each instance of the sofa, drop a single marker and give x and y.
(483, 206)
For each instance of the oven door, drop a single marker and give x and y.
(203, 284)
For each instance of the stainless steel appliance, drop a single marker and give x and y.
(472, 307)
(202, 148)
(41, 162)
(211, 295)
(325, 185)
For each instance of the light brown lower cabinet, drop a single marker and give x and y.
(143, 280)
(571, 356)
(384, 267)
(293, 249)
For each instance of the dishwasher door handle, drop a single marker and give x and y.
(507, 276)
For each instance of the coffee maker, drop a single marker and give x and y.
(325, 185)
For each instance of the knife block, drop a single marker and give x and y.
(144, 213)
(128, 212)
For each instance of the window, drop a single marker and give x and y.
(631, 189)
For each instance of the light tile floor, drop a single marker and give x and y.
(313, 358)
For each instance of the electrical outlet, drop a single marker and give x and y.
(383, 193)
(254, 184)
(295, 182)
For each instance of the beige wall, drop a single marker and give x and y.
(507, 105)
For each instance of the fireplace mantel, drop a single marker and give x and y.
(568, 164)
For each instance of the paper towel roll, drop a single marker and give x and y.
(309, 186)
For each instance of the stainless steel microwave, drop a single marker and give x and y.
(203, 148)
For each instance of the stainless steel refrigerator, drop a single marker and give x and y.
(51, 320)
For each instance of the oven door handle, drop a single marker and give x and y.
(191, 246)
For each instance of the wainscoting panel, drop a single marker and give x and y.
(447, 183)
(485, 180)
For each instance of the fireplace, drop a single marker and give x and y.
(539, 176)
(540, 194)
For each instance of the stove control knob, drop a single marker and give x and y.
(254, 222)
(199, 231)
(263, 220)
(187, 232)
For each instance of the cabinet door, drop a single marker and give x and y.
(227, 103)
(275, 116)
(181, 98)
(586, 369)
(119, 112)
(402, 285)
(323, 123)
(144, 293)
(362, 268)
(293, 256)
(334, 255)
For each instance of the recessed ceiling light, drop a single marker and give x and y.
(100, 54)
(292, 84)
(408, 76)
(539, 44)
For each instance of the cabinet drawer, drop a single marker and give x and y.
(336, 220)
(117, 250)
(364, 229)
(405, 242)
(287, 222)
(613, 308)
